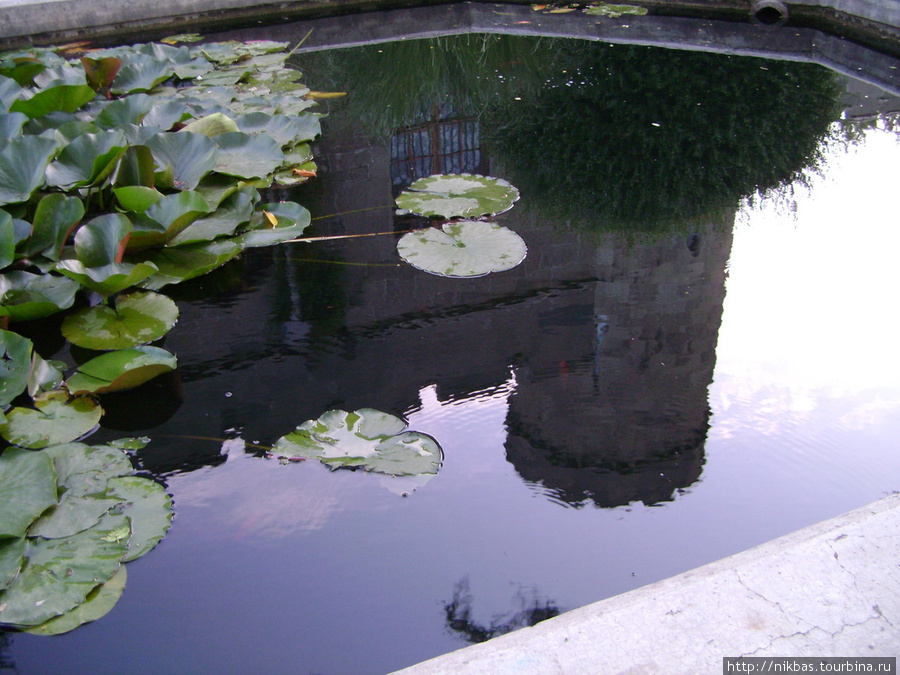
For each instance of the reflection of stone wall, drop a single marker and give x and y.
(626, 413)
(615, 409)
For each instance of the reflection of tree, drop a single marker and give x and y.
(459, 615)
(636, 135)
(7, 663)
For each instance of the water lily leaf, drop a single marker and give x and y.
(212, 125)
(87, 160)
(290, 220)
(96, 605)
(166, 115)
(137, 198)
(62, 97)
(614, 11)
(85, 469)
(100, 73)
(10, 90)
(108, 279)
(7, 239)
(185, 158)
(61, 572)
(460, 195)
(56, 418)
(149, 507)
(469, 248)
(235, 211)
(15, 365)
(124, 369)
(189, 261)
(45, 375)
(247, 156)
(102, 240)
(367, 438)
(136, 319)
(129, 110)
(166, 218)
(11, 124)
(283, 129)
(29, 488)
(73, 514)
(22, 164)
(27, 296)
(141, 74)
(55, 217)
(11, 552)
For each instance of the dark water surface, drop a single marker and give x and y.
(677, 372)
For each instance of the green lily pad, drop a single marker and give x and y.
(11, 552)
(614, 11)
(370, 439)
(102, 240)
(29, 488)
(73, 514)
(460, 195)
(149, 507)
(233, 212)
(246, 156)
(56, 418)
(290, 218)
(62, 572)
(28, 296)
(54, 219)
(22, 164)
(96, 604)
(166, 218)
(45, 375)
(462, 249)
(187, 262)
(108, 279)
(15, 365)
(136, 319)
(123, 369)
(87, 160)
(185, 158)
(77, 464)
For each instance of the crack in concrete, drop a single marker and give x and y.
(878, 615)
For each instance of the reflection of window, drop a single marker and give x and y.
(438, 146)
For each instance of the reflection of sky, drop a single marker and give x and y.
(807, 378)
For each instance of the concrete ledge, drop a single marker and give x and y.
(832, 589)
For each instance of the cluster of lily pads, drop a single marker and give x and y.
(71, 516)
(466, 245)
(138, 167)
(121, 172)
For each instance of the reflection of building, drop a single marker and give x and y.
(611, 406)
(612, 341)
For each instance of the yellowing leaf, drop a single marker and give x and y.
(272, 220)
(326, 94)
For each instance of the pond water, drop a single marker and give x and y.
(678, 371)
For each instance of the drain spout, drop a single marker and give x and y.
(769, 12)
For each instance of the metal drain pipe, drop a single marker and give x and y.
(769, 12)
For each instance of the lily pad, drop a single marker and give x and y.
(463, 249)
(56, 418)
(73, 514)
(136, 319)
(123, 369)
(274, 223)
(11, 552)
(74, 461)
(186, 262)
(149, 507)
(108, 279)
(370, 439)
(29, 488)
(28, 296)
(61, 572)
(15, 365)
(96, 604)
(459, 195)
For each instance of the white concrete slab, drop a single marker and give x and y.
(832, 589)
